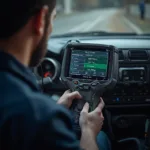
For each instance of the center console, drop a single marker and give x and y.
(133, 86)
(129, 102)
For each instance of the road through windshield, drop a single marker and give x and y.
(120, 16)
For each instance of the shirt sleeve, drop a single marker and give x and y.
(38, 123)
(56, 132)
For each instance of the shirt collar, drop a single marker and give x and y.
(8, 63)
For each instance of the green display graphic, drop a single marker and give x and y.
(89, 64)
(95, 66)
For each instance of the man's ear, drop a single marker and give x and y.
(39, 21)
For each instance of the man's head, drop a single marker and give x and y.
(30, 20)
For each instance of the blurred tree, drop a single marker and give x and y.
(127, 5)
(64, 6)
(87, 4)
(67, 6)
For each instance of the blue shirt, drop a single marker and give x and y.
(30, 120)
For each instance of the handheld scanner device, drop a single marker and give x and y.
(90, 69)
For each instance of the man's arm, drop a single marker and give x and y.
(56, 132)
(91, 124)
(88, 143)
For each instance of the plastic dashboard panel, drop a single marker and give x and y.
(55, 45)
(123, 43)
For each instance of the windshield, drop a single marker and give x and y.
(117, 16)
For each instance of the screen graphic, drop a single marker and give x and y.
(88, 64)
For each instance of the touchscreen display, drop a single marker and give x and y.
(86, 64)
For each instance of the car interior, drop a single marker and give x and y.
(127, 104)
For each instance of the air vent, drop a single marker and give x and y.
(121, 55)
(138, 55)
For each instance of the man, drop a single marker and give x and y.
(30, 120)
(142, 9)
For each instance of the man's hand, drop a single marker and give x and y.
(68, 98)
(93, 121)
(91, 124)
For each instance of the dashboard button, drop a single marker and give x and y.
(86, 87)
(126, 78)
(87, 81)
(142, 78)
(117, 99)
(95, 84)
(81, 88)
(129, 99)
(147, 100)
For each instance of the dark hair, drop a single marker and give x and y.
(14, 14)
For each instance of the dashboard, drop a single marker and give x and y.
(129, 101)
(134, 68)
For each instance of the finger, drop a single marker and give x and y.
(85, 108)
(75, 95)
(67, 92)
(102, 101)
(101, 105)
(99, 108)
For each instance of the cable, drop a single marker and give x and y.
(42, 77)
